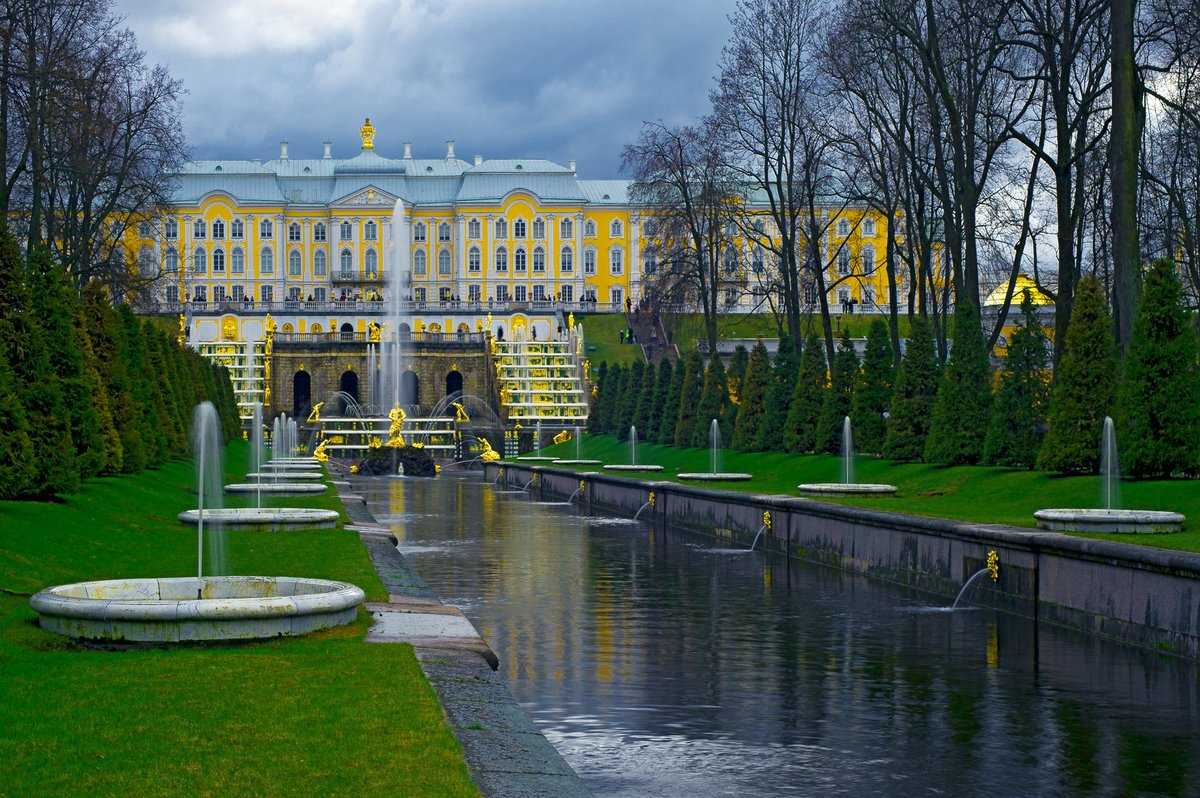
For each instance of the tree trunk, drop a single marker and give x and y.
(1125, 147)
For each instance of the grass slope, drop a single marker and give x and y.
(601, 337)
(316, 715)
(967, 493)
(688, 328)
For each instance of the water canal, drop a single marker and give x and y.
(661, 664)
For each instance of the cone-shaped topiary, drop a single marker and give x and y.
(597, 398)
(747, 429)
(1084, 386)
(689, 392)
(95, 385)
(1019, 413)
(643, 416)
(800, 429)
(16, 451)
(107, 340)
(873, 392)
(960, 412)
(734, 377)
(1158, 401)
(912, 400)
(669, 412)
(714, 403)
(838, 399)
(779, 397)
(662, 388)
(630, 399)
(613, 407)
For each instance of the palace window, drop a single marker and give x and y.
(539, 229)
(267, 293)
(237, 261)
(266, 261)
(218, 293)
(444, 231)
(616, 296)
(843, 296)
(371, 231)
(731, 229)
(520, 293)
(346, 231)
(519, 263)
(347, 261)
(615, 229)
(474, 261)
(172, 293)
(502, 293)
(419, 262)
(589, 229)
(319, 231)
(539, 259)
(318, 296)
(239, 293)
(539, 293)
(843, 228)
(501, 228)
(199, 260)
(566, 229)
(146, 261)
(419, 295)
(589, 261)
(172, 260)
(237, 229)
(419, 232)
(219, 260)
(172, 229)
(566, 260)
(843, 261)
(201, 294)
(444, 262)
(501, 259)
(218, 229)
(265, 229)
(868, 228)
(649, 228)
(867, 255)
(868, 296)
(731, 260)
(473, 293)
(756, 260)
(444, 293)
(649, 263)
(474, 230)
(198, 229)
(319, 263)
(294, 231)
(519, 228)
(294, 263)
(615, 265)
(568, 293)
(372, 263)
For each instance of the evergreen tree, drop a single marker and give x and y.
(669, 409)
(838, 399)
(157, 359)
(98, 390)
(873, 392)
(630, 399)
(596, 412)
(108, 342)
(800, 428)
(1084, 386)
(689, 391)
(1019, 413)
(643, 416)
(735, 376)
(153, 437)
(662, 384)
(747, 429)
(17, 473)
(714, 403)
(913, 398)
(779, 397)
(1158, 400)
(960, 412)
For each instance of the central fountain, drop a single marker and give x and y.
(537, 447)
(715, 474)
(578, 459)
(257, 467)
(633, 464)
(847, 486)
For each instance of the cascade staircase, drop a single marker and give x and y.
(542, 381)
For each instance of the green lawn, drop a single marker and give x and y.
(966, 493)
(316, 715)
(601, 337)
(687, 328)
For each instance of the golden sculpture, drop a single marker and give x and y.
(319, 453)
(375, 442)
(354, 468)
(367, 132)
(478, 325)
(181, 337)
(229, 329)
(460, 414)
(373, 332)
(487, 454)
(314, 417)
(397, 416)
(766, 520)
(562, 437)
(993, 564)
(570, 322)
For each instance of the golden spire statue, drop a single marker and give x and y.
(397, 416)
(367, 131)
(314, 417)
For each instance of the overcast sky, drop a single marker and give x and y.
(504, 78)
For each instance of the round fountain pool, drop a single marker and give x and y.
(276, 488)
(274, 466)
(312, 461)
(715, 476)
(631, 467)
(272, 517)
(537, 458)
(1130, 521)
(264, 476)
(577, 462)
(188, 609)
(847, 488)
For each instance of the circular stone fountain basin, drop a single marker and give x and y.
(718, 476)
(1130, 521)
(264, 476)
(300, 460)
(278, 488)
(272, 517)
(168, 610)
(537, 459)
(631, 467)
(577, 462)
(274, 466)
(847, 488)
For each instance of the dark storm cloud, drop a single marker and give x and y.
(558, 80)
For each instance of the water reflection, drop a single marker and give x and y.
(660, 666)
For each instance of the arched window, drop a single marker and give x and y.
(198, 228)
(566, 229)
(843, 227)
(266, 261)
(539, 229)
(589, 261)
(371, 231)
(294, 231)
(419, 262)
(649, 262)
(237, 229)
(589, 228)
(172, 229)
(501, 228)
(444, 262)
(868, 228)
(615, 262)
(372, 262)
(237, 261)
(172, 260)
(519, 263)
(867, 255)
(319, 263)
(444, 231)
(474, 229)
(757, 259)
(566, 260)
(731, 260)
(199, 260)
(219, 260)
(616, 229)
(474, 261)
(218, 228)
(843, 261)
(419, 231)
(539, 259)
(501, 259)
(294, 263)
(347, 261)
(346, 231)
(319, 231)
(146, 261)
(519, 228)
(265, 229)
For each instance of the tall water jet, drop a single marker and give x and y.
(1110, 467)
(714, 443)
(398, 283)
(847, 453)
(714, 473)
(847, 485)
(579, 458)
(276, 439)
(632, 445)
(206, 448)
(633, 458)
(256, 429)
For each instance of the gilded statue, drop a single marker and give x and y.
(487, 454)
(562, 437)
(373, 331)
(397, 416)
(314, 417)
(319, 453)
(460, 414)
(181, 337)
(367, 132)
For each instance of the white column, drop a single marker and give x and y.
(460, 254)
(551, 255)
(489, 264)
(579, 278)
(635, 258)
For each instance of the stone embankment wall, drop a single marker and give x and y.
(1135, 594)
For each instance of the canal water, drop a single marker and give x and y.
(667, 664)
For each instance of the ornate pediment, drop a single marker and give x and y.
(367, 197)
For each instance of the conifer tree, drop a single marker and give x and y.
(96, 387)
(912, 400)
(616, 408)
(662, 382)
(596, 412)
(747, 429)
(800, 429)
(714, 403)
(960, 412)
(873, 392)
(1019, 413)
(1084, 386)
(630, 399)
(734, 377)
(17, 473)
(643, 417)
(689, 392)
(153, 437)
(839, 398)
(108, 342)
(1158, 401)
(779, 397)
(669, 385)
(159, 365)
